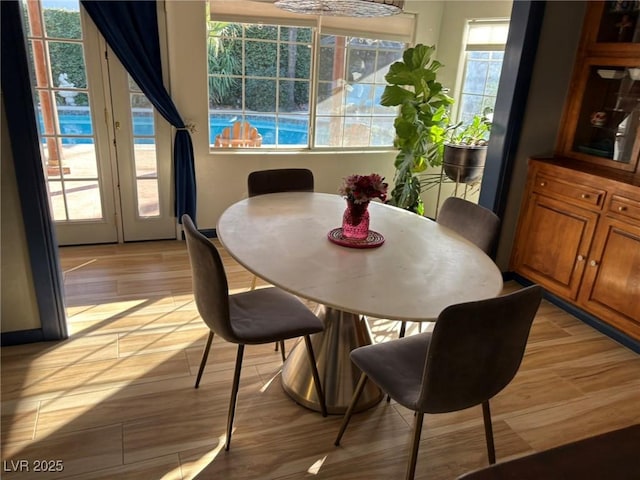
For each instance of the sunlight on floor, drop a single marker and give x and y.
(315, 468)
(197, 466)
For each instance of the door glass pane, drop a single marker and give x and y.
(144, 152)
(62, 19)
(67, 64)
(79, 158)
(56, 200)
(73, 119)
(83, 200)
(63, 109)
(148, 200)
(142, 115)
(145, 159)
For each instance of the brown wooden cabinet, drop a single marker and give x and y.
(611, 284)
(579, 237)
(601, 123)
(579, 229)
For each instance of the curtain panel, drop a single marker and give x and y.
(131, 30)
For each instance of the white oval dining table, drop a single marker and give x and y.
(421, 268)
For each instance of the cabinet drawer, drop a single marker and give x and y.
(625, 206)
(580, 193)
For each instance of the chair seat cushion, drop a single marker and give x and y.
(270, 314)
(396, 366)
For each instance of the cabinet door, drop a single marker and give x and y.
(612, 28)
(603, 118)
(611, 287)
(553, 244)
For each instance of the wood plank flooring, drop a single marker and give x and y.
(116, 400)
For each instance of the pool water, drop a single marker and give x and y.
(76, 128)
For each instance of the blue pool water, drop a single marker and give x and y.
(76, 128)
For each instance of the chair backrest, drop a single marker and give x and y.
(474, 222)
(210, 287)
(476, 349)
(240, 134)
(278, 180)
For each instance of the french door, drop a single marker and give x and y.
(106, 151)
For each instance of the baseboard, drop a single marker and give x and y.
(585, 317)
(20, 337)
(207, 232)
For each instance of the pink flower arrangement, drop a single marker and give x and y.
(364, 188)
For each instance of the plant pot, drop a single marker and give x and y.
(464, 163)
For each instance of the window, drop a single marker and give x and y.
(484, 53)
(298, 85)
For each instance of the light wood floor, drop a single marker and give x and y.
(116, 400)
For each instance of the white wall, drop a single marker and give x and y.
(221, 177)
(19, 307)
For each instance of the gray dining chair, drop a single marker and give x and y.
(473, 352)
(279, 180)
(249, 318)
(474, 222)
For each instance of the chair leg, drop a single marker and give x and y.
(415, 445)
(281, 350)
(234, 395)
(205, 355)
(314, 371)
(403, 329)
(347, 416)
(488, 432)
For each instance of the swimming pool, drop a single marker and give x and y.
(76, 128)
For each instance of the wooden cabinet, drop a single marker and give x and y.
(579, 237)
(611, 285)
(579, 229)
(601, 122)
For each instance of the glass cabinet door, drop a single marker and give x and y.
(604, 127)
(619, 22)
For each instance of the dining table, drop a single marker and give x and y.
(410, 268)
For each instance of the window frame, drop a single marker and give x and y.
(487, 46)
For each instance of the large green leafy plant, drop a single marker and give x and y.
(422, 122)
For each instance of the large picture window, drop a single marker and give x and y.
(296, 86)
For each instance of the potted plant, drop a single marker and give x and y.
(421, 125)
(465, 151)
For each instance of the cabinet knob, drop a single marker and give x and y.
(622, 208)
(593, 263)
(580, 258)
(584, 195)
(542, 184)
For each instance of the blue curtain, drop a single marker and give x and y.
(131, 30)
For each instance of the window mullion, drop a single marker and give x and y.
(314, 78)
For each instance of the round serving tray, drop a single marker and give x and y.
(374, 239)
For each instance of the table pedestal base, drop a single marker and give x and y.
(339, 376)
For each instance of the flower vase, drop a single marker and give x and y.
(355, 221)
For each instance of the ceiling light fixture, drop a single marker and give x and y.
(343, 8)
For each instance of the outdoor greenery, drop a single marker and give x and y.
(226, 42)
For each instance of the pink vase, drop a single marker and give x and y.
(355, 221)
